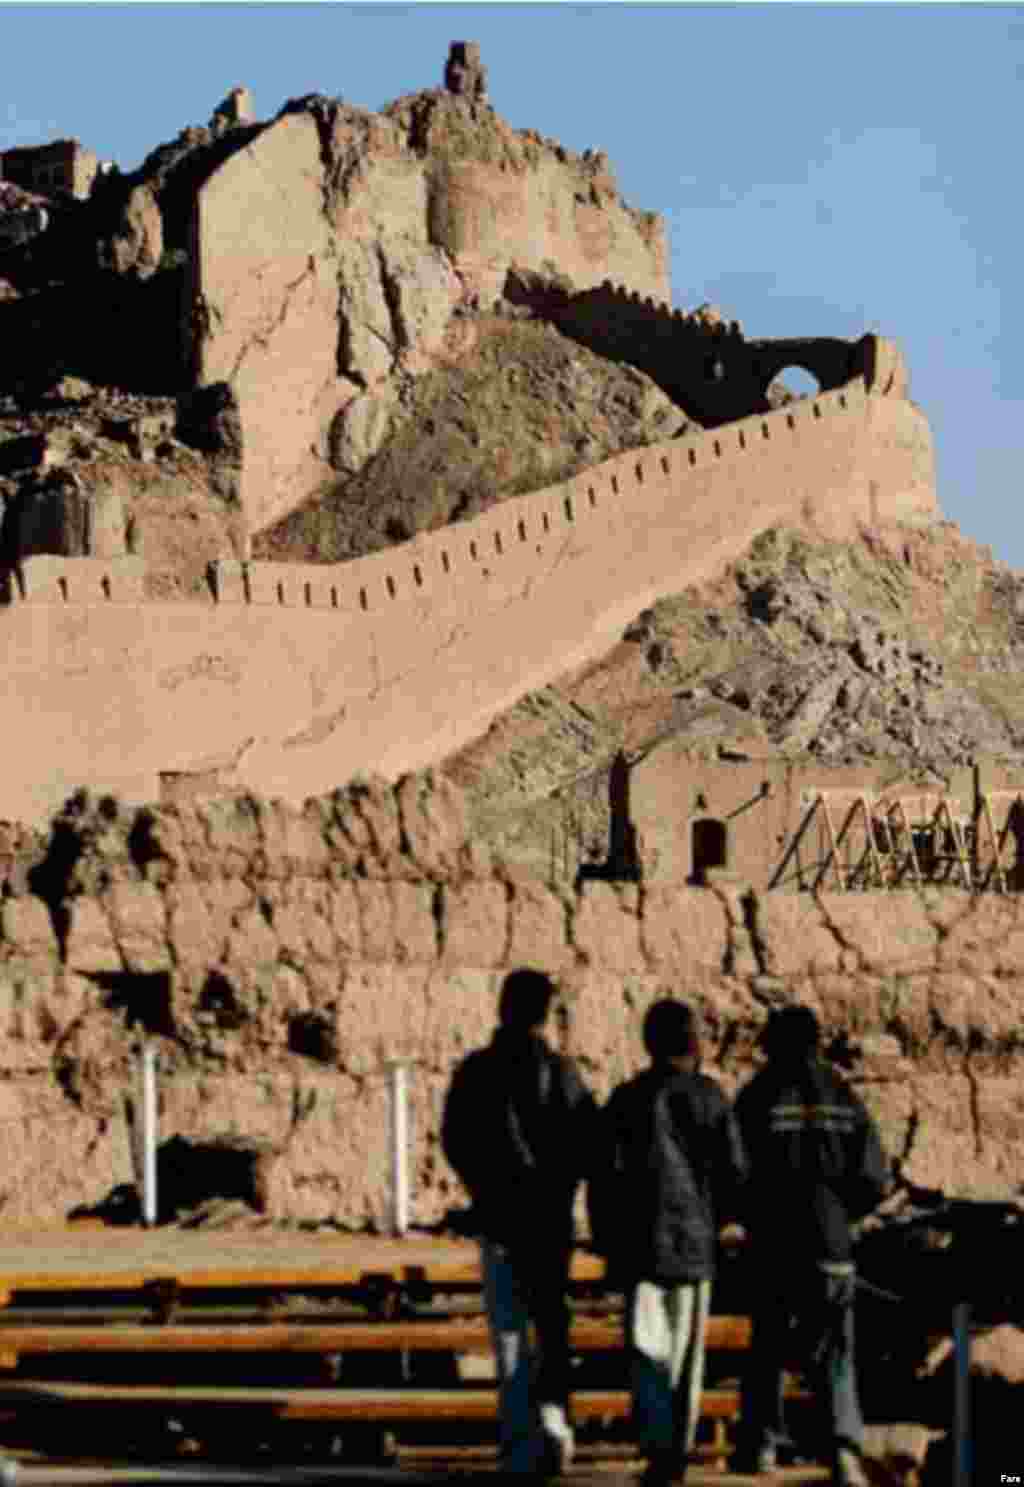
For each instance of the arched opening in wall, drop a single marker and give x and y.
(709, 847)
(791, 384)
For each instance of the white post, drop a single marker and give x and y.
(147, 1101)
(399, 1149)
(961, 1395)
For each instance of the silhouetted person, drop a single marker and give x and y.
(668, 1175)
(518, 1129)
(816, 1166)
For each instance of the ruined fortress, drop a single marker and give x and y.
(282, 951)
(326, 249)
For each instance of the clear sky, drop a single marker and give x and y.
(823, 169)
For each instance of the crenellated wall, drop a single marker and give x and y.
(423, 645)
(706, 365)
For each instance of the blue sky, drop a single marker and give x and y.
(823, 169)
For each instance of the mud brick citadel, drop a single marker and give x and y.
(314, 227)
(304, 894)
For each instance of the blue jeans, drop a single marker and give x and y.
(816, 1300)
(520, 1292)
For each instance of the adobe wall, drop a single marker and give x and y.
(299, 677)
(707, 366)
(289, 237)
(266, 939)
(772, 839)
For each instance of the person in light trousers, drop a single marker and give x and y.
(669, 1176)
(518, 1129)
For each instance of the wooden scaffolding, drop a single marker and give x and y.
(883, 842)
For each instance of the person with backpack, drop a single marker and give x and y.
(816, 1166)
(668, 1176)
(518, 1129)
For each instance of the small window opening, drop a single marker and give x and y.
(568, 509)
(362, 599)
(417, 575)
(446, 562)
(391, 585)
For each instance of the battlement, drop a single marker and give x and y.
(659, 313)
(291, 678)
(464, 557)
(46, 578)
(706, 365)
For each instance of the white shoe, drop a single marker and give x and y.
(559, 1436)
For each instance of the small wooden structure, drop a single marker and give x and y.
(869, 841)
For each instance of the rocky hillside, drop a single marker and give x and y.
(906, 646)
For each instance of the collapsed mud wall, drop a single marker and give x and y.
(280, 958)
(330, 251)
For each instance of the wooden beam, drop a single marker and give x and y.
(337, 1404)
(463, 1335)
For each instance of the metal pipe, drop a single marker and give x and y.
(147, 1068)
(399, 1148)
(961, 1395)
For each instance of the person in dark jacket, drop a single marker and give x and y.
(518, 1128)
(670, 1177)
(816, 1167)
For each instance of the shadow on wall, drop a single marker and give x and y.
(622, 865)
(705, 366)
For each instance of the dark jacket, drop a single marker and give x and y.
(815, 1159)
(518, 1128)
(668, 1176)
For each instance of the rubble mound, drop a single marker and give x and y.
(88, 470)
(512, 407)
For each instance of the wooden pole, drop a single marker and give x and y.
(399, 1149)
(147, 1092)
